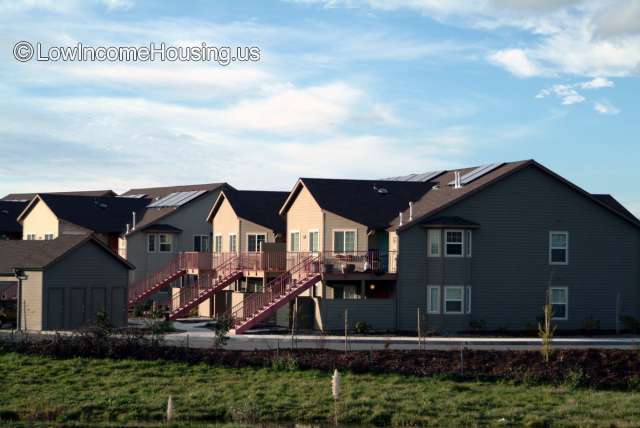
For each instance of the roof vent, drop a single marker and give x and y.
(436, 187)
(380, 190)
(103, 205)
(457, 182)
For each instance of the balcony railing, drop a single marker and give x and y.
(330, 262)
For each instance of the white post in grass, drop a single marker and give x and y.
(335, 392)
(170, 409)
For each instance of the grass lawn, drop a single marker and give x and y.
(114, 393)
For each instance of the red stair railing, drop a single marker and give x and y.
(305, 269)
(207, 283)
(173, 270)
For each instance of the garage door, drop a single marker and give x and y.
(98, 302)
(55, 309)
(118, 306)
(78, 308)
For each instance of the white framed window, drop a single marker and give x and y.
(433, 299)
(314, 241)
(165, 242)
(217, 243)
(467, 243)
(558, 248)
(151, 243)
(344, 241)
(467, 301)
(434, 238)
(255, 241)
(31, 237)
(559, 300)
(294, 241)
(48, 236)
(453, 300)
(201, 243)
(233, 243)
(454, 243)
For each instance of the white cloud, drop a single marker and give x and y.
(516, 62)
(569, 93)
(118, 4)
(605, 107)
(618, 18)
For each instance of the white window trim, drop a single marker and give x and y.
(309, 232)
(467, 300)
(551, 247)
(429, 234)
(48, 236)
(235, 235)
(355, 240)
(566, 304)
(429, 288)
(215, 239)
(170, 242)
(201, 236)
(293, 232)
(446, 254)
(256, 235)
(444, 300)
(155, 243)
(467, 243)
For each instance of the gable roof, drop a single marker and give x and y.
(26, 197)
(25, 254)
(373, 203)
(9, 212)
(442, 196)
(98, 214)
(257, 206)
(614, 204)
(152, 215)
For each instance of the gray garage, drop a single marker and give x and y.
(66, 282)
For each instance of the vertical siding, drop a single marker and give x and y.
(91, 268)
(40, 221)
(509, 271)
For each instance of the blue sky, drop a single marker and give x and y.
(344, 88)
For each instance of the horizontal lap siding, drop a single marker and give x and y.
(509, 270)
(379, 314)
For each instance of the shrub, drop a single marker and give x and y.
(546, 331)
(361, 327)
(591, 324)
(631, 324)
(223, 324)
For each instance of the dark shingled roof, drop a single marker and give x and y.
(257, 206)
(40, 254)
(615, 205)
(153, 215)
(101, 215)
(26, 197)
(9, 212)
(373, 203)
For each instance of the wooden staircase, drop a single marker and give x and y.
(260, 305)
(144, 288)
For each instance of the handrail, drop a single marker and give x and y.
(279, 286)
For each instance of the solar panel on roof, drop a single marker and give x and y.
(477, 173)
(176, 199)
(424, 177)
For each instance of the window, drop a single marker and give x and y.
(233, 243)
(294, 241)
(453, 299)
(201, 243)
(314, 241)
(344, 241)
(31, 237)
(151, 243)
(558, 248)
(467, 301)
(434, 238)
(433, 299)
(217, 243)
(559, 300)
(468, 244)
(255, 241)
(166, 243)
(454, 243)
(48, 236)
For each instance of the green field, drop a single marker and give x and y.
(97, 392)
